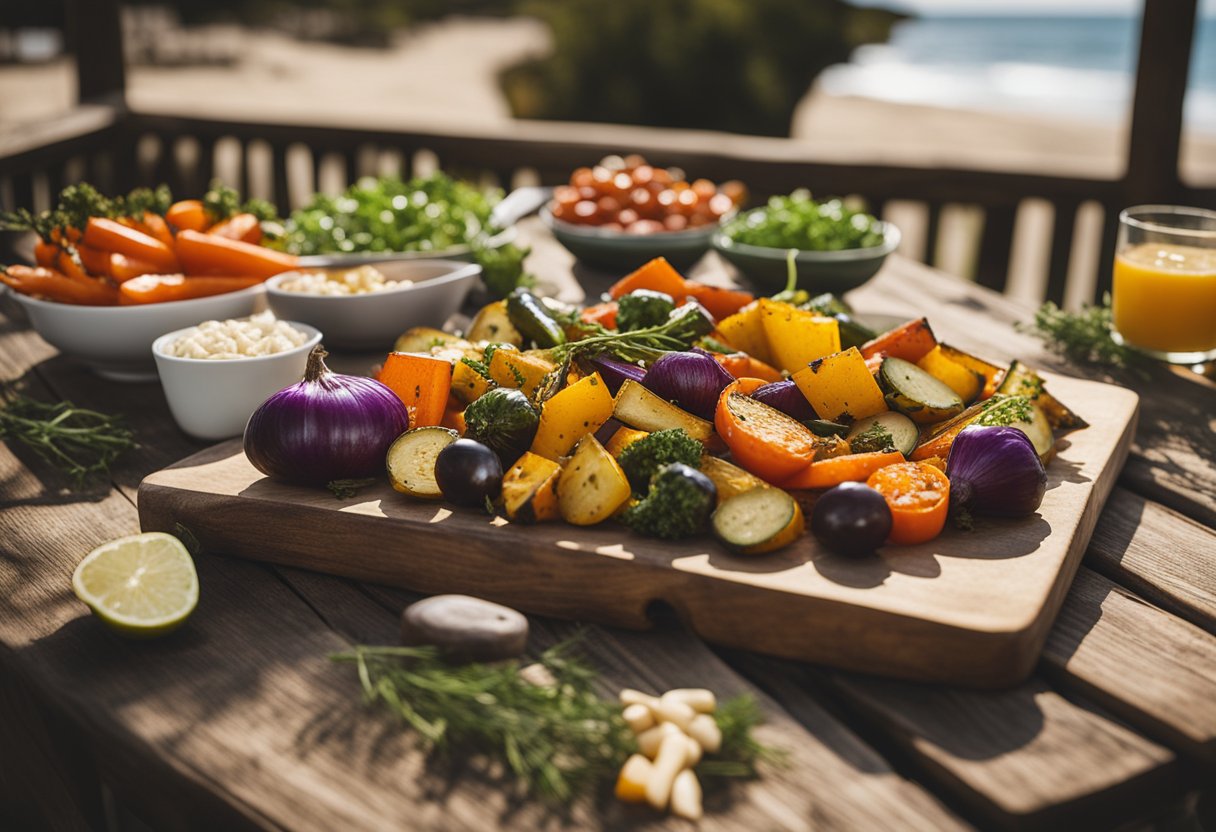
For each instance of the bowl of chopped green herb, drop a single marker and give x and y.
(385, 218)
(838, 248)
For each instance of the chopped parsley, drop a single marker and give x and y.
(874, 439)
(1002, 410)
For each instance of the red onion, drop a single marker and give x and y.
(786, 397)
(614, 371)
(692, 380)
(995, 470)
(326, 427)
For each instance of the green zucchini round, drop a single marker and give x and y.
(916, 394)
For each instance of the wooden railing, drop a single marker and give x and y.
(286, 162)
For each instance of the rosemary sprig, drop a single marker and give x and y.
(561, 741)
(1084, 337)
(687, 324)
(77, 441)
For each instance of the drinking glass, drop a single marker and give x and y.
(1164, 286)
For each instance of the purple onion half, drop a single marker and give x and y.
(995, 471)
(614, 371)
(692, 380)
(326, 427)
(786, 397)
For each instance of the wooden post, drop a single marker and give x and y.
(1167, 30)
(94, 29)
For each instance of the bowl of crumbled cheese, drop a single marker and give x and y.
(216, 374)
(366, 307)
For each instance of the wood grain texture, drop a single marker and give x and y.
(1025, 758)
(1166, 667)
(1159, 554)
(966, 608)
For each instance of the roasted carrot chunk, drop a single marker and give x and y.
(826, 473)
(422, 382)
(763, 440)
(911, 342)
(658, 276)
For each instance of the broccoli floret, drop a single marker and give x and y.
(679, 503)
(643, 308)
(643, 458)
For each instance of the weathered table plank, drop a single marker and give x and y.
(1161, 555)
(1155, 670)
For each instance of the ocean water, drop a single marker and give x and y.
(1081, 67)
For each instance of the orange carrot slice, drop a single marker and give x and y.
(825, 473)
(761, 439)
(918, 495)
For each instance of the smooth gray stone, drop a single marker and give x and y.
(465, 628)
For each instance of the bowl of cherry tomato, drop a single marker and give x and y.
(624, 212)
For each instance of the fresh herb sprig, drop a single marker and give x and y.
(77, 441)
(1084, 337)
(76, 204)
(560, 740)
(686, 325)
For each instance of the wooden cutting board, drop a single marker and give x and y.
(969, 608)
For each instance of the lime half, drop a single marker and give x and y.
(140, 586)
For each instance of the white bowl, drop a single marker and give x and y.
(116, 341)
(213, 398)
(374, 320)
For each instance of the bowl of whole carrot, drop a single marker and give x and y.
(113, 274)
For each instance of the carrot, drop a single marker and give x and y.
(721, 303)
(56, 286)
(95, 260)
(742, 365)
(422, 382)
(45, 254)
(162, 288)
(603, 314)
(155, 226)
(918, 495)
(763, 440)
(244, 227)
(123, 268)
(825, 473)
(911, 342)
(657, 276)
(209, 254)
(69, 266)
(114, 236)
(188, 215)
(65, 234)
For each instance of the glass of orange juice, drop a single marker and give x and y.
(1164, 294)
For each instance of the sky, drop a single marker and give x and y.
(1207, 7)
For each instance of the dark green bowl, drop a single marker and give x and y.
(818, 271)
(624, 252)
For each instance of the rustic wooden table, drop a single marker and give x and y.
(240, 720)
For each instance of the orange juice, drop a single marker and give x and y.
(1164, 297)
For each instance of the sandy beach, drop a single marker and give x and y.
(442, 76)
